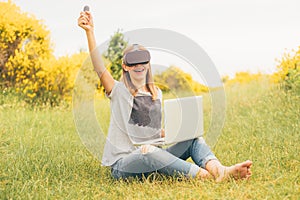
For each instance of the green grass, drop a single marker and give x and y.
(42, 156)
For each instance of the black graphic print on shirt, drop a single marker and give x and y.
(146, 112)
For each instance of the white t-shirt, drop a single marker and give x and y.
(133, 120)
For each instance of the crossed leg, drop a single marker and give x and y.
(209, 165)
(213, 167)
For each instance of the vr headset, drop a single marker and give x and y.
(136, 56)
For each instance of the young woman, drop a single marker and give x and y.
(136, 117)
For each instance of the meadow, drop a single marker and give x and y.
(42, 156)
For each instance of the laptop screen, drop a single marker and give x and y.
(183, 118)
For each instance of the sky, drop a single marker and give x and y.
(238, 35)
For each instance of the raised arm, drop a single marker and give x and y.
(85, 21)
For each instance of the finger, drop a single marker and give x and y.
(86, 18)
(83, 16)
(88, 13)
(143, 149)
(83, 20)
(82, 23)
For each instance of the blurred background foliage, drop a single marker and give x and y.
(288, 73)
(29, 69)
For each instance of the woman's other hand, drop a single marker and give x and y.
(162, 134)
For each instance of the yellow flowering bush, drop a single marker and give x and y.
(177, 80)
(27, 64)
(244, 78)
(61, 74)
(288, 74)
(24, 47)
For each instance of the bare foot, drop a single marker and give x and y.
(237, 171)
(203, 174)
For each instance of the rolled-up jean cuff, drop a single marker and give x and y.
(193, 170)
(208, 158)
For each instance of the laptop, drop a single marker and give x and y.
(183, 120)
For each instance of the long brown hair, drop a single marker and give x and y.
(149, 78)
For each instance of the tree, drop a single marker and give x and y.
(114, 54)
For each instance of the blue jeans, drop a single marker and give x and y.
(170, 161)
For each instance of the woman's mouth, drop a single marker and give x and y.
(139, 70)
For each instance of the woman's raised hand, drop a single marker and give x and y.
(85, 21)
